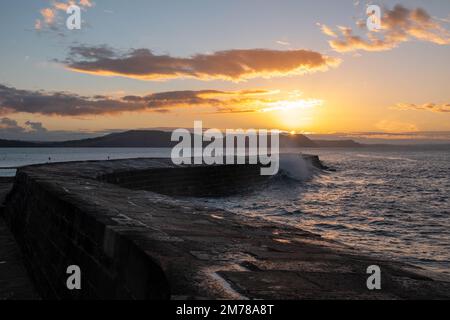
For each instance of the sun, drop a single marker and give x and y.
(283, 105)
(292, 115)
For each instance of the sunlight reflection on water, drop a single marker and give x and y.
(392, 203)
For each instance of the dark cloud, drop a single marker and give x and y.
(36, 126)
(13, 100)
(94, 52)
(10, 125)
(229, 65)
(10, 129)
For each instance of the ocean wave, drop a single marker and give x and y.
(294, 166)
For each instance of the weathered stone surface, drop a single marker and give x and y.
(137, 244)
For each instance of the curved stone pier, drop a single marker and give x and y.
(123, 223)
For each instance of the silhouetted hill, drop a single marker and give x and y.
(127, 139)
(295, 141)
(160, 139)
(17, 144)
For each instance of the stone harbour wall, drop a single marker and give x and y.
(132, 237)
(54, 232)
(199, 181)
(55, 229)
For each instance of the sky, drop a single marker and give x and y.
(298, 66)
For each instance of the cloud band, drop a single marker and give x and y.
(234, 65)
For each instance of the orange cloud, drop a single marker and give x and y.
(62, 5)
(13, 100)
(398, 25)
(86, 3)
(327, 30)
(50, 14)
(433, 107)
(234, 65)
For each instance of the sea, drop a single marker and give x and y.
(390, 202)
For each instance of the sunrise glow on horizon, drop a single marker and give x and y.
(226, 65)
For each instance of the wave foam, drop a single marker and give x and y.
(296, 167)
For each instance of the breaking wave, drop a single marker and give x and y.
(294, 166)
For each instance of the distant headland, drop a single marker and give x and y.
(161, 139)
